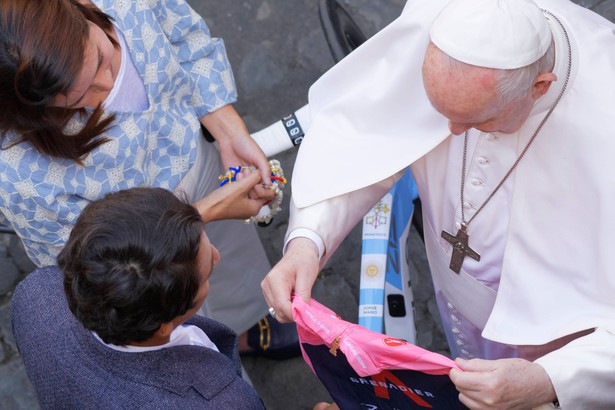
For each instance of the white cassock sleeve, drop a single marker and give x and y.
(333, 218)
(583, 371)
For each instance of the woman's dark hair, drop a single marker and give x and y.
(41, 53)
(130, 263)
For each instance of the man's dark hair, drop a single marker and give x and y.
(130, 263)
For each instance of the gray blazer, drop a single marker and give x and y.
(70, 369)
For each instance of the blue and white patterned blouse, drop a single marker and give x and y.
(186, 75)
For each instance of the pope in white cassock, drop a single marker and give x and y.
(504, 111)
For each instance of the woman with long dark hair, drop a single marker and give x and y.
(107, 95)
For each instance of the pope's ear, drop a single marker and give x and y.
(542, 84)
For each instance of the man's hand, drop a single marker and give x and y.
(296, 272)
(231, 201)
(502, 384)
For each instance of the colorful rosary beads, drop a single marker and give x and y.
(278, 183)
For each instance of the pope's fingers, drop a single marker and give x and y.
(469, 402)
(296, 271)
(303, 288)
(469, 397)
(467, 380)
(475, 365)
(278, 297)
(277, 289)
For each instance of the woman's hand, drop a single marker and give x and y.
(236, 145)
(232, 201)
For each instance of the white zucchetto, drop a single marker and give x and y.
(502, 34)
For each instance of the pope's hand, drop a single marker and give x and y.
(502, 384)
(296, 273)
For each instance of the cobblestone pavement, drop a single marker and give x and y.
(277, 50)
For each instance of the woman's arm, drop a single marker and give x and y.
(204, 59)
(236, 145)
(201, 56)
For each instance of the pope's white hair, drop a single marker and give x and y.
(516, 83)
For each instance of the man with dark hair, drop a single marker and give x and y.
(136, 269)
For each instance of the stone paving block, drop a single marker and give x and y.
(16, 391)
(19, 256)
(258, 70)
(289, 384)
(334, 292)
(590, 4)
(9, 276)
(371, 15)
(607, 9)
(6, 331)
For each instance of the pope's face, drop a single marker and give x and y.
(466, 95)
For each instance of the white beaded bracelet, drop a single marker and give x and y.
(278, 182)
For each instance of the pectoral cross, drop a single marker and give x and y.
(461, 249)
